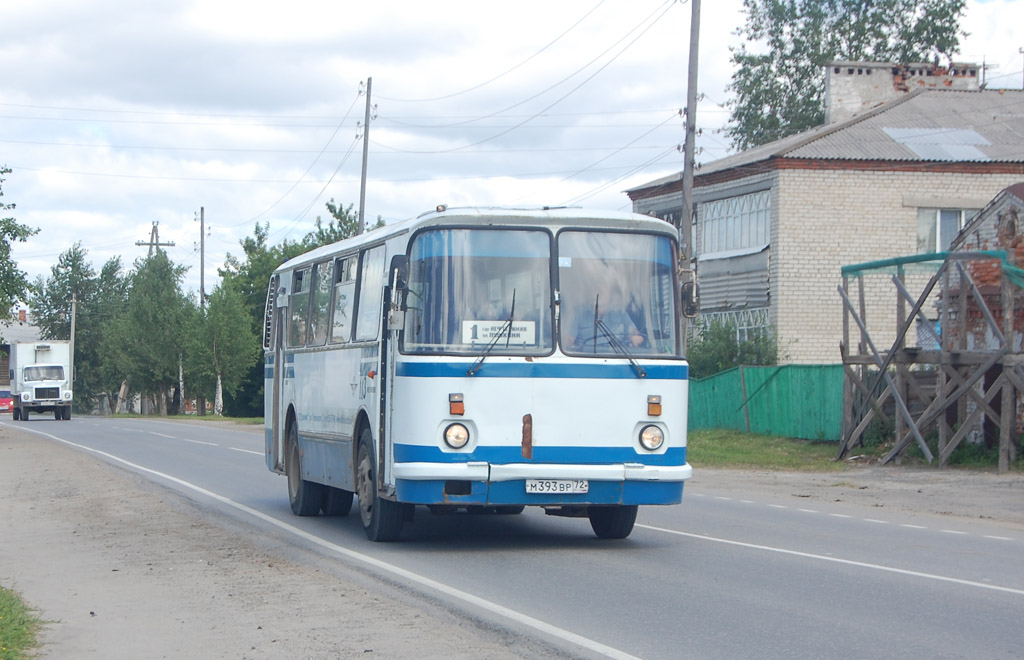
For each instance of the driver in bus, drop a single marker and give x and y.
(614, 320)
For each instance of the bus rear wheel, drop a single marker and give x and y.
(337, 502)
(612, 522)
(382, 519)
(305, 497)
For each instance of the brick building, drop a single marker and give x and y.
(911, 155)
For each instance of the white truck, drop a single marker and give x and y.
(41, 379)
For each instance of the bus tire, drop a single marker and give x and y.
(67, 414)
(17, 414)
(382, 519)
(24, 415)
(305, 497)
(612, 522)
(337, 502)
(57, 414)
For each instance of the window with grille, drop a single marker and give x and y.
(736, 223)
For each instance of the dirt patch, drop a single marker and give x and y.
(120, 568)
(950, 493)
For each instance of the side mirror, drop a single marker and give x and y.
(688, 297)
(399, 272)
(399, 280)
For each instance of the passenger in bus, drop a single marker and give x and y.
(613, 323)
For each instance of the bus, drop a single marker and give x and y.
(484, 359)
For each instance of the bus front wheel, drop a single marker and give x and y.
(304, 496)
(382, 519)
(612, 522)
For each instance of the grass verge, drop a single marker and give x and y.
(733, 449)
(18, 627)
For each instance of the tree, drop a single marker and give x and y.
(222, 346)
(249, 277)
(343, 224)
(143, 345)
(717, 347)
(13, 281)
(72, 277)
(779, 86)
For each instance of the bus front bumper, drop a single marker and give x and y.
(482, 483)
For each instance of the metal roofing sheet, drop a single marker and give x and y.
(928, 124)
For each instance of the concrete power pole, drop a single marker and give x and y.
(366, 151)
(202, 257)
(74, 306)
(154, 240)
(686, 218)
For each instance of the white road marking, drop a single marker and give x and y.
(422, 580)
(847, 562)
(247, 451)
(162, 435)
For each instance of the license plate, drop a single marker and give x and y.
(557, 486)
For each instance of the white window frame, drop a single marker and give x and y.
(935, 233)
(736, 223)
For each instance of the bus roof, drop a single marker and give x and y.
(479, 216)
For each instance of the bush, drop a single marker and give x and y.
(717, 347)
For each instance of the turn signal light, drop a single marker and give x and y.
(654, 405)
(456, 404)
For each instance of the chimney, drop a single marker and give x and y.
(853, 88)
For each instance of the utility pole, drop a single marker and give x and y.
(686, 218)
(74, 305)
(154, 240)
(689, 154)
(366, 151)
(202, 257)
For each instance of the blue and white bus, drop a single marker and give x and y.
(481, 358)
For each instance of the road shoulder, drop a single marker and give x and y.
(120, 568)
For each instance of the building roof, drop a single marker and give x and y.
(930, 125)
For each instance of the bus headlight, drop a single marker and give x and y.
(651, 437)
(456, 436)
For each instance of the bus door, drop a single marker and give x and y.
(393, 322)
(278, 324)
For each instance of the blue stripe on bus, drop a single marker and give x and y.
(560, 455)
(539, 370)
(514, 493)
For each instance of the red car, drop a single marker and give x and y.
(6, 402)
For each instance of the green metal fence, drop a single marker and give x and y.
(796, 401)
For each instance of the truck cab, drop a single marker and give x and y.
(40, 380)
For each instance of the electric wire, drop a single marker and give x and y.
(500, 75)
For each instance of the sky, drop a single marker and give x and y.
(118, 114)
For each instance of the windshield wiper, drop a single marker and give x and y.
(613, 340)
(505, 329)
(620, 349)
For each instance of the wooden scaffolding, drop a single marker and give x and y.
(946, 384)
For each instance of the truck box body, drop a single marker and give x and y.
(41, 378)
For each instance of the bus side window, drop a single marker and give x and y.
(323, 277)
(268, 316)
(298, 308)
(371, 288)
(344, 300)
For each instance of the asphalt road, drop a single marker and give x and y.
(715, 577)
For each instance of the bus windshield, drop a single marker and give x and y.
(616, 294)
(44, 372)
(476, 290)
